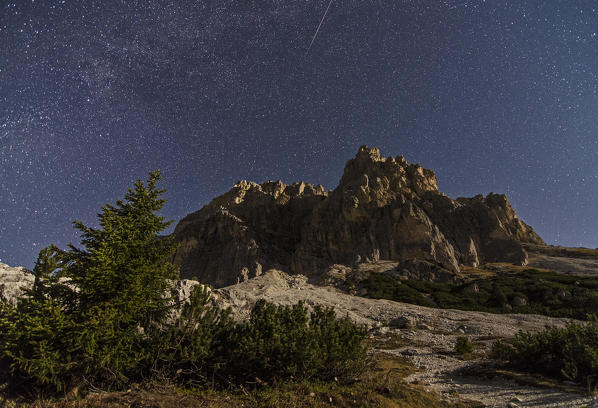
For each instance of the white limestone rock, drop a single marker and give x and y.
(12, 282)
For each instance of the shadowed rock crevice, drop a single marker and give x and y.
(383, 208)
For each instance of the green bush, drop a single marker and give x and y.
(463, 346)
(190, 349)
(287, 341)
(101, 316)
(570, 353)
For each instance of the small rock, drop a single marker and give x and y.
(424, 326)
(402, 322)
(512, 405)
(563, 294)
(409, 352)
(473, 288)
(519, 301)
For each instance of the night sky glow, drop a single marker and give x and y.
(495, 96)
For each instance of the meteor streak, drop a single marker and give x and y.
(318, 29)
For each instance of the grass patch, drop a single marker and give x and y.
(567, 252)
(388, 341)
(469, 272)
(526, 291)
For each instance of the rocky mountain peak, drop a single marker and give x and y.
(246, 196)
(373, 178)
(383, 209)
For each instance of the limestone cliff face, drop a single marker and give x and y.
(383, 208)
(251, 228)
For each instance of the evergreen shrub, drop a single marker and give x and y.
(289, 342)
(569, 353)
(463, 346)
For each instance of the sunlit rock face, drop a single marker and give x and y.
(382, 209)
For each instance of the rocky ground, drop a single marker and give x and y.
(569, 261)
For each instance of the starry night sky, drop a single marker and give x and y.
(495, 96)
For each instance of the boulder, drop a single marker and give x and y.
(472, 288)
(563, 294)
(519, 301)
(402, 322)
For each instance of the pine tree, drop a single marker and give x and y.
(38, 335)
(121, 275)
(125, 264)
(92, 311)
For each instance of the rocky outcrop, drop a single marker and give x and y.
(12, 282)
(382, 209)
(15, 280)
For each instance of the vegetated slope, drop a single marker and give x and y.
(382, 209)
(528, 291)
(425, 336)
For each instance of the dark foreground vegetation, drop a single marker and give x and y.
(381, 384)
(569, 353)
(530, 291)
(99, 318)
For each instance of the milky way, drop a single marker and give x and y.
(493, 96)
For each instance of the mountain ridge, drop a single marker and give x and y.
(382, 209)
